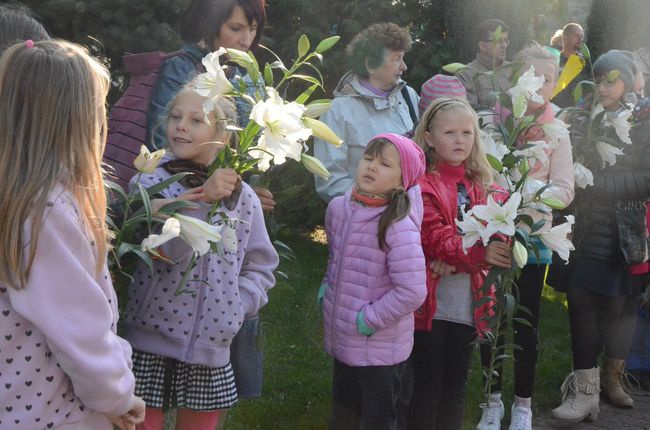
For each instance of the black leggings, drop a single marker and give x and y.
(529, 295)
(619, 343)
(440, 364)
(599, 321)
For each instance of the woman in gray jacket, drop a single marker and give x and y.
(369, 99)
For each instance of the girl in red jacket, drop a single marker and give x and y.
(457, 178)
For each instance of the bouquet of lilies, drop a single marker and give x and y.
(278, 130)
(512, 158)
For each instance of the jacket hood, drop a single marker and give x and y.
(349, 86)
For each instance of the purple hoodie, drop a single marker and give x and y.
(387, 285)
(61, 362)
(198, 328)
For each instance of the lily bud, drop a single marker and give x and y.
(520, 254)
(322, 131)
(317, 108)
(147, 161)
(453, 68)
(553, 203)
(314, 165)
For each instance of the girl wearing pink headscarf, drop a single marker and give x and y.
(375, 281)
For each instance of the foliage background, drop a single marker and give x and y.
(443, 31)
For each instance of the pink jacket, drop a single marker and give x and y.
(559, 168)
(61, 362)
(387, 285)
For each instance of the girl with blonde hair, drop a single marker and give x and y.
(62, 363)
(458, 177)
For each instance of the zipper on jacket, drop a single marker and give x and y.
(338, 273)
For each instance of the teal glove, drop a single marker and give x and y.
(321, 293)
(362, 327)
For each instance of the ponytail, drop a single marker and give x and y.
(398, 207)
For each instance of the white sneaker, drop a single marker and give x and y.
(521, 418)
(492, 415)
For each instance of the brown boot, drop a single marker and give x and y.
(613, 383)
(580, 399)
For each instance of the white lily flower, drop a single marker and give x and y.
(213, 83)
(536, 150)
(621, 125)
(608, 153)
(495, 148)
(582, 176)
(556, 239)
(526, 89)
(146, 162)
(198, 234)
(500, 219)
(284, 133)
(472, 230)
(556, 131)
(229, 238)
(170, 230)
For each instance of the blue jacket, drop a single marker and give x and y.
(178, 71)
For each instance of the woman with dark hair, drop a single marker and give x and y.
(17, 25)
(206, 26)
(369, 99)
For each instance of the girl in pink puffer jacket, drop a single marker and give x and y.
(375, 281)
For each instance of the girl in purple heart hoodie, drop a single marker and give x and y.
(62, 364)
(375, 281)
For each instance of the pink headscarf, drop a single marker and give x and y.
(411, 157)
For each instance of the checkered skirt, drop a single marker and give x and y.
(166, 383)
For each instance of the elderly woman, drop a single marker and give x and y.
(368, 100)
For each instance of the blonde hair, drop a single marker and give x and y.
(535, 51)
(52, 130)
(224, 113)
(476, 165)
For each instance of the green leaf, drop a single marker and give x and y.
(496, 36)
(494, 162)
(302, 98)
(146, 202)
(613, 75)
(160, 186)
(306, 78)
(114, 186)
(176, 206)
(584, 50)
(577, 93)
(538, 225)
(268, 75)
(526, 219)
(303, 45)
(327, 44)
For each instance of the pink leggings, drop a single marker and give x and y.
(186, 419)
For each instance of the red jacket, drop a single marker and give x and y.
(442, 241)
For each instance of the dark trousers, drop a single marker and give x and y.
(366, 398)
(440, 362)
(529, 295)
(618, 344)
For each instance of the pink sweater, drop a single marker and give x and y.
(61, 362)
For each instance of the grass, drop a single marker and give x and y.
(297, 373)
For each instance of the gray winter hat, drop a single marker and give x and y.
(616, 59)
